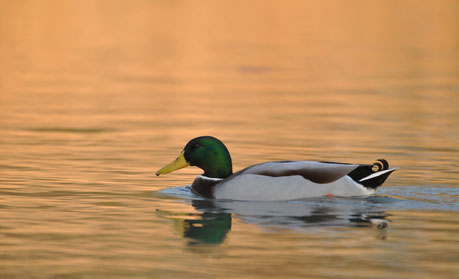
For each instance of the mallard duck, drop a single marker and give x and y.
(270, 181)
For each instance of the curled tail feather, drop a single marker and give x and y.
(372, 176)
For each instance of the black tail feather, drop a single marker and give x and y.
(361, 172)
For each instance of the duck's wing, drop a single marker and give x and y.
(318, 172)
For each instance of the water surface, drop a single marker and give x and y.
(95, 96)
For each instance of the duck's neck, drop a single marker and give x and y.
(220, 168)
(219, 164)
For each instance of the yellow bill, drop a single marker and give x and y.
(177, 164)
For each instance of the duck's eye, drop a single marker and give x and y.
(196, 145)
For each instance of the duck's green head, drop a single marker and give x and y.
(207, 153)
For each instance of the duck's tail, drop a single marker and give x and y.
(372, 176)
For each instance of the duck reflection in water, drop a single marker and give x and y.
(210, 227)
(214, 222)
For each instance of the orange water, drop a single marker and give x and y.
(95, 96)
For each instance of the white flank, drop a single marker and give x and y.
(253, 187)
